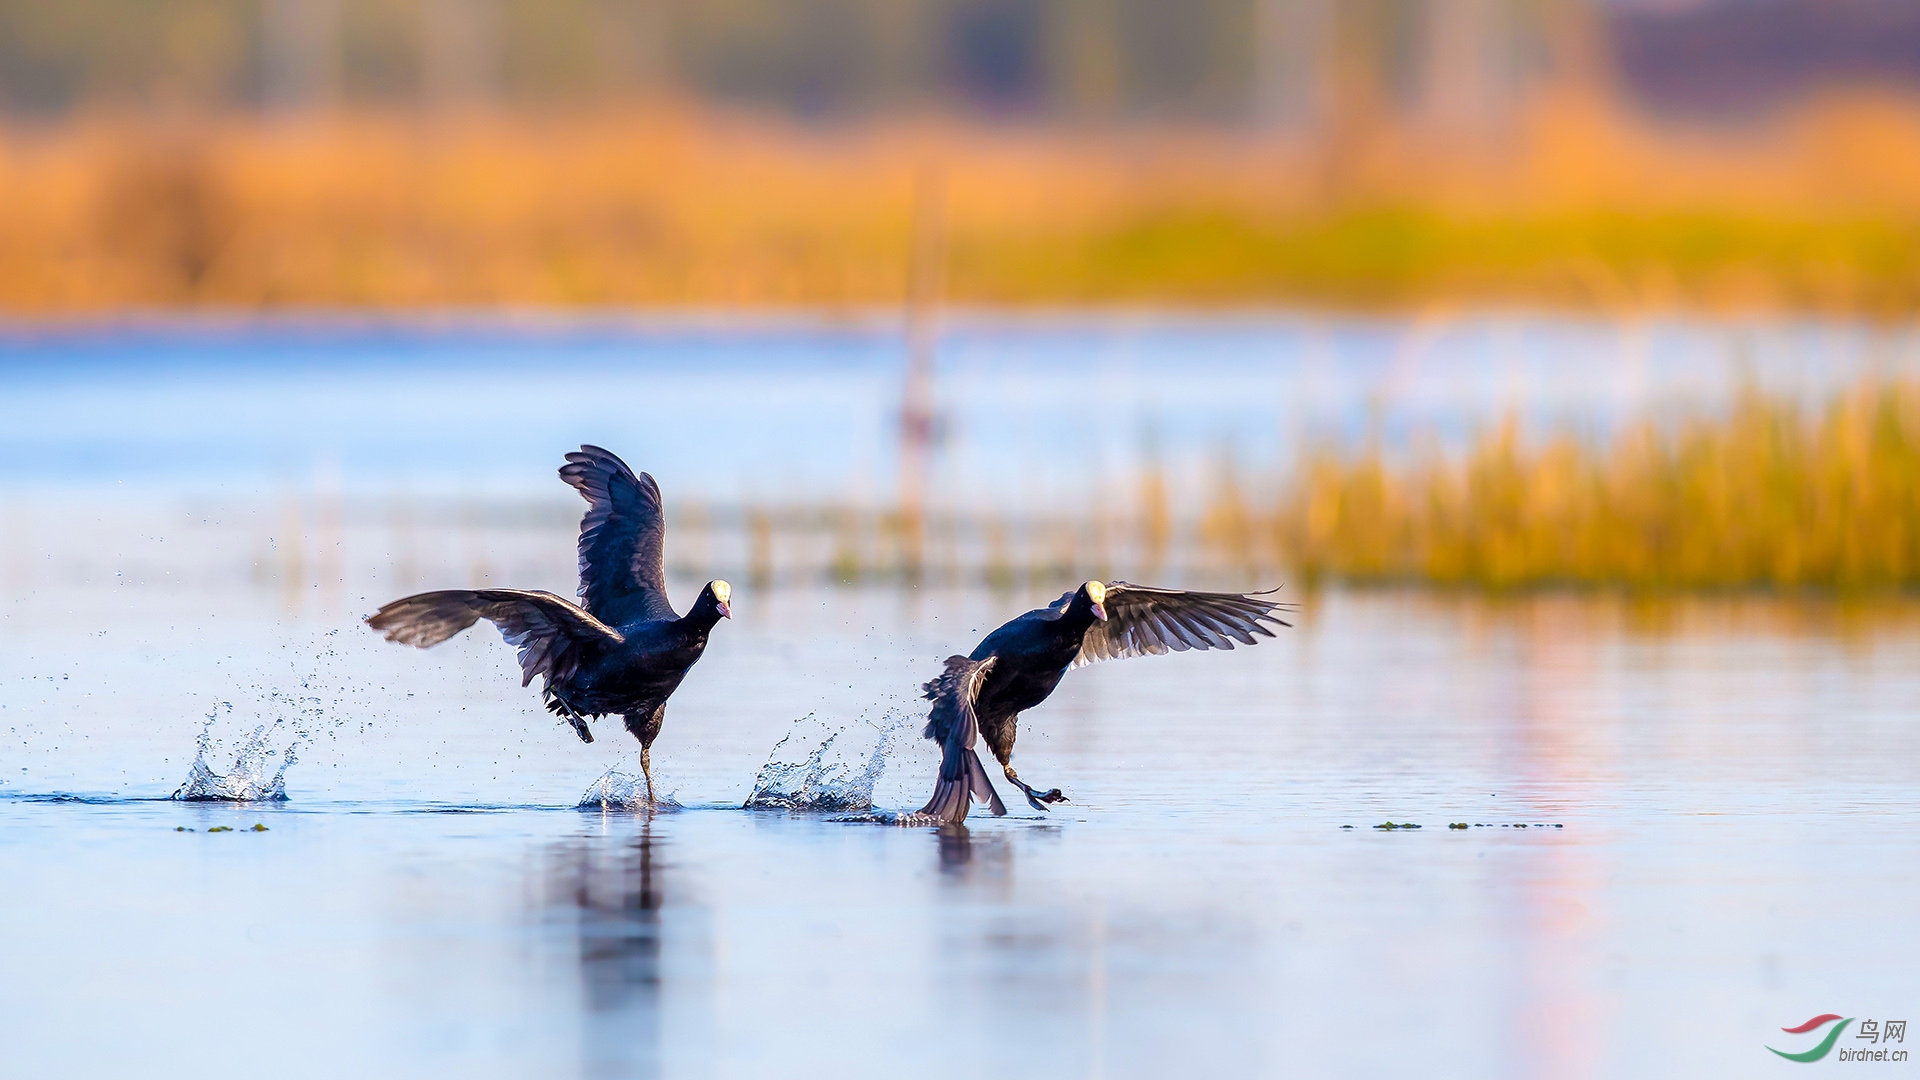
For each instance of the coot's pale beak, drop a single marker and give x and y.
(1100, 612)
(725, 611)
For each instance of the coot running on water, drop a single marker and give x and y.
(1018, 665)
(626, 650)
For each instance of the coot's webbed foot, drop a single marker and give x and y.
(1039, 800)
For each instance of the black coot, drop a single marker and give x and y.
(1018, 665)
(625, 650)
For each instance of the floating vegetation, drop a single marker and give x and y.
(1394, 826)
(254, 828)
(837, 774)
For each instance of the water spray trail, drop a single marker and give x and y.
(833, 776)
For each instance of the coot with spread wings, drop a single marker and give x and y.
(623, 649)
(1018, 665)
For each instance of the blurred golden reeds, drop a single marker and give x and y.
(1765, 496)
(1581, 203)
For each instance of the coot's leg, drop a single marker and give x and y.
(645, 727)
(999, 731)
(1037, 799)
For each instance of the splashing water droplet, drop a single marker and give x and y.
(616, 790)
(259, 771)
(295, 713)
(836, 775)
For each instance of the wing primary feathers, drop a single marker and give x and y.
(1144, 621)
(1186, 631)
(426, 619)
(622, 538)
(1160, 630)
(1224, 631)
(1213, 635)
(554, 636)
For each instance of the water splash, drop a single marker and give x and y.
(836, 775)
(902, 818)
(617, 790)
(290, 714)
(259, 770)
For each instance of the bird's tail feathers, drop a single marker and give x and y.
(953, 721)
(953, 797)
(982, 788)
(949, 803)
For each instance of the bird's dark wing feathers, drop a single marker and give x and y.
(1143, 620)
(623, 573)
(553, 635)
(955, 726)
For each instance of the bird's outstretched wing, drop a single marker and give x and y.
(553, 635)
(1142, 620)
(955, 727)
(623, 572)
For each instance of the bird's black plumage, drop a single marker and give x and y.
(623, 565)
(1017, 666)
(626, 650)
(955, 725)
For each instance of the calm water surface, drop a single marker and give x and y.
(1734, 780)
(1728, 789)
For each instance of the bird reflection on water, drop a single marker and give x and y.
(1034, 974)
(614, 891)
(670, 974)
(956, 849)
(969, 858)
(1072, 985)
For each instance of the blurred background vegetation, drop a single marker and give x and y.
(1765, 496)
(1365, 153)
(1612, 158)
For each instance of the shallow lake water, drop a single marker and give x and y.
(1720, 800)
(1726, 789)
